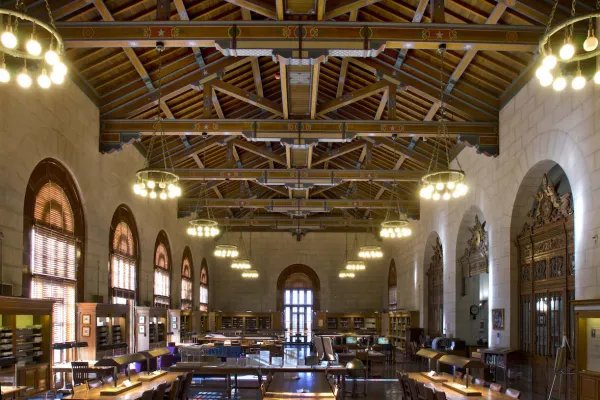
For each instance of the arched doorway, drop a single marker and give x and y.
(472, 278)
(434, 295)
(298, 297)
(542, 227)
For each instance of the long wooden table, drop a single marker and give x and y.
(486, 393)
(132, 394)
(12, 391)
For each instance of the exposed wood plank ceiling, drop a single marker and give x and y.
(398, 84)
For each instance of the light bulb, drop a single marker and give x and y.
(591, 42)
(151, 184)
(406, 231)
(136, 188)
(439, 186)
(171, 195)
(171, 187)
(162, 185)
(423, 192)
(4, 75)
(44, 80)
(392, 235)
(60, 68)
(567, 51)
(559, 84)
(8, 38)
(578, 83)
(177, 191)
(427, 195)
(24, 79)
(57, 78)
(33, 46)
(596, 77)
(446, 196)
(541, 71)
(153, 194)
(191, 231)
(430, 188)
(396, 230)
(436, 196)
(144, 192)
(456, 194)
(549, 62)
(51, 57)
(546, 80)
(163, 195)
(450, 185)
(200, 233)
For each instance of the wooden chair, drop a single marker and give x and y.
(78, 376)
(171, 393)
(147, 395)
(414, 392)
(439, 395)
(478, 381)
(404, 385)
(186, 385)
(495, 387)
(425, 393)
(513, 393)
(159, 392)
(108, 379)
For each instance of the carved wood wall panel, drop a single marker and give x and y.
(475, 260)
(435, 282)
(546, 282)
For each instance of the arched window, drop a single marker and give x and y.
(53, 239)
(298, 296)
(162, 271)
(392, 293)
(123, 256)
(204, 286)
(187, 268)
(435, 282)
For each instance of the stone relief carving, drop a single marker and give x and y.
(549, 206)
(476, 256)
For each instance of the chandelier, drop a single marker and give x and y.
(370, 252)
(567, 53)
(242, 263)
(203, 228)
(32, 49)
(250, 274)
(355, 265)
(395, 228)
(154, 182)
(442, 183)
(346, 274)
(226, 251)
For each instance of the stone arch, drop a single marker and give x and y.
(298, 274)
(433, 318)
(392, 285)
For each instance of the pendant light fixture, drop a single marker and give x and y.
(226, 250)
(354, 265)
(203, 227)
(241, 263)
(370, 251)
(155, 182)
(440, 183)
(248, 273)
(568, 53)
(391, 227)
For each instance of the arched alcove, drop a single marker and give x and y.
(298, 288)
(543, 265)
(472, 278)
(392, 286)
(433, 308)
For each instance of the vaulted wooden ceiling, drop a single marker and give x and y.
(400, 83)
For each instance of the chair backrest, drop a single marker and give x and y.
(108, 379)
(478, 381)
(174, 392)
(404, 384)
(147, 395)
(412, 385)
(440, 395)
(429, 393)
(79, 377)
(185, 387)
(159, 392)
(496, 387)
(514, 393)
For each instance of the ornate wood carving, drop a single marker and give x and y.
(435, 278)
(546, 279)
(476, 256)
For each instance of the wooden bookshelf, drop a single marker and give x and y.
(27, 334)
(247, 323)
(108, 329)
(158, 327)
(347, 322)
(400, 327)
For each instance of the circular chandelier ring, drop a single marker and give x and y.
(584, 56)
(447, 172)
(145, 174)
(45, 26)
(399, 223)
(204, 222)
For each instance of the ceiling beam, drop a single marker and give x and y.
(437, 11)
(418, 16)
(284, 223)
(183, 15)
(314, 89)
(320, 10)
(400, 149)
(310, 205)
(248, 97)
(257, 8)
(343, 74)
(279, 10)
(260, 151)
(347, 148)
(283, 77)
(353, 6)
(332, 36)
(352, 97)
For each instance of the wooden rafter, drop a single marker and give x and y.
(260, 151)
(279, 9)
(348, 148)
(255, 7)
(353, 97)
(248, 97)
(350, 7)
(320, 10)
(418, 16)
(283, 77)
(437, 11)
(314, 89)
(183, 15)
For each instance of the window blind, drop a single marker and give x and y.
(161, 282)
(53, 209)
(123, 243)
(392, 299)
(123, 273)
(63, 293)
(203, 295)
